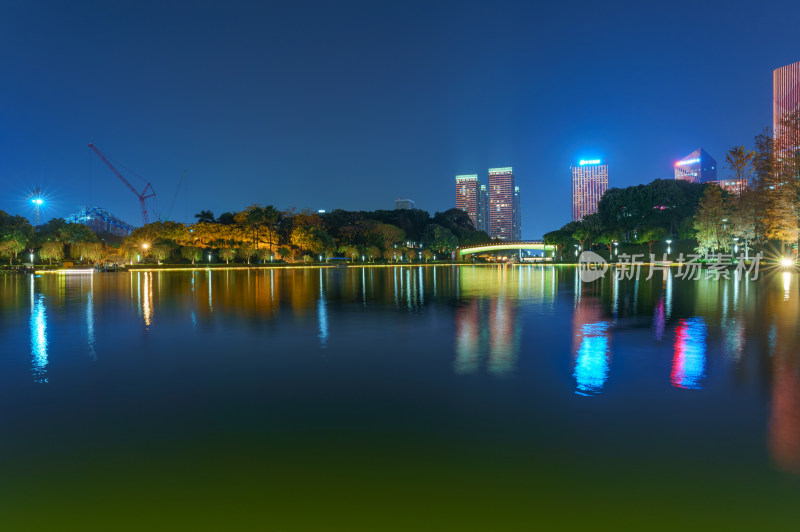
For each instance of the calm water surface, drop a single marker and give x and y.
(422, 398)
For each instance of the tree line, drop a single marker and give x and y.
(766, 212)
(256, 234)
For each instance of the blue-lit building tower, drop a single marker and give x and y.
(697, 167)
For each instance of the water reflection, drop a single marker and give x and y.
(90, 338)
(322, 314)
(592, 351)
(475, 316)
(38, 328)
(689, 360)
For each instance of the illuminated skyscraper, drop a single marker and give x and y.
(697, 167)
(468, 196)
(589, 183)
(517, 216)
(785, 93)
(483, 209)
(501, 203)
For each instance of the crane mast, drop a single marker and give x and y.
(147, 192)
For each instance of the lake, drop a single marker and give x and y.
(398, 398)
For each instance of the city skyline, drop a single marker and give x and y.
(439, 113)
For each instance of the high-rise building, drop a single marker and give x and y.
(517, 216)
(401, 203)
(468, 196)
(501, 203)
(589, 183)
(697, 167)
(785, 93)
(483, 209)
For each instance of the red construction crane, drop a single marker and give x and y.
(142, 196)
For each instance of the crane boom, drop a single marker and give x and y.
(142, 196)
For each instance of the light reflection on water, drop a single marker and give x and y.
(494, 323)
(38, 328)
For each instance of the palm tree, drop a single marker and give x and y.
(205, 217)
(740, 161)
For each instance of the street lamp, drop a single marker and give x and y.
(736, 244)
(209, 257)
(669, 248)
(616, 248)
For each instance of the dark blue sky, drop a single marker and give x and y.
(353, 104)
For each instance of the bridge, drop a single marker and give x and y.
(506, 245)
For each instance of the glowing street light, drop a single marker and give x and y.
(37, 201)
(669, 247)
(786, 262)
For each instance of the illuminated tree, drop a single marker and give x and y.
(52, 251)
(160, 252)
(227, 254)
(246, 253)
(711, 222)
(191, 253)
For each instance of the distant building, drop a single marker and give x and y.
(100, 220)
(589, 183)
(517, 216)
(468, 196)
(483, 210)
(697, 167)
(404, 204)
(501, 203)
(734, 186)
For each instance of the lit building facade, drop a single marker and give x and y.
(468, 196)
(589, 183)
(785, 99)
(733, 186)
(517, 216)
(785, 93)
(401, 203)
(483, 209)
(501, 203)
(697, 167)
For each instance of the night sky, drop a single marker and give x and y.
(353, 104)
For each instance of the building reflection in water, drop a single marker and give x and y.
(468, 338)
(663, 308)
(38, 328)
(591, 341)
(689, 359)
(488, 323)
(784, 420)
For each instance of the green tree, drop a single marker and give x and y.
(227, 254)
(650, 236)
(52, 251)
(711, 222)
(439, 238)
(351, 252)
(609, 238)
(192, 253)
(160, 252)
